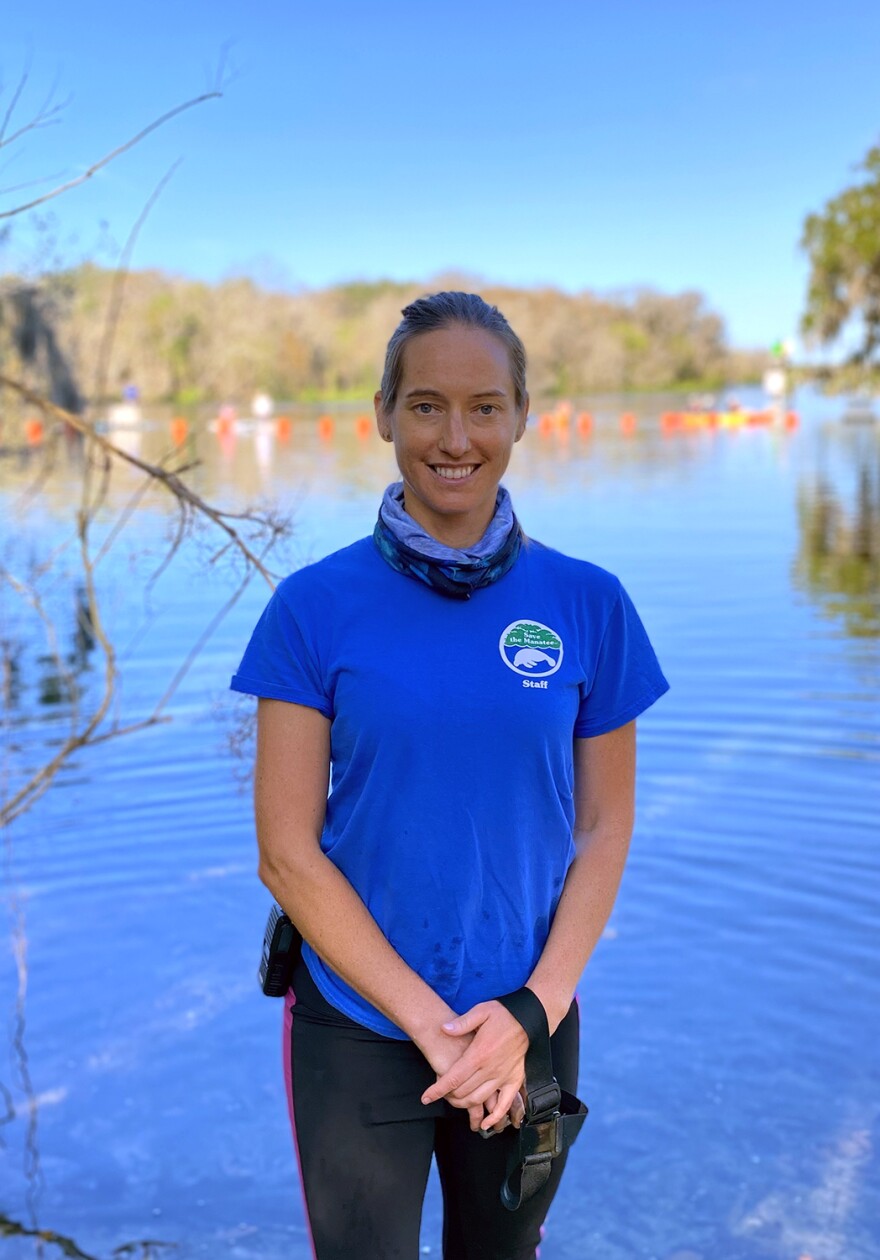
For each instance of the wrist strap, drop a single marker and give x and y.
(553, 1117)
(542, 1092)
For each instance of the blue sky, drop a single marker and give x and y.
(591, 145)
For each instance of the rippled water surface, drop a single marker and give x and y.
(731, 1012)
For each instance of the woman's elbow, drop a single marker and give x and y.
(279, 865)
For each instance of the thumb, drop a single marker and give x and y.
(468, 1022)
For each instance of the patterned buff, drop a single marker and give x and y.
(409, 549)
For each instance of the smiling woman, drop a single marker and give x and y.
(451, 889)
(453, 426)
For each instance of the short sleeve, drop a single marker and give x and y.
(627, 678)
(279, 662)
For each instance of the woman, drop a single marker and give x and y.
(475, 694)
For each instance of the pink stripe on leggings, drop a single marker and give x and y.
(287, 1059)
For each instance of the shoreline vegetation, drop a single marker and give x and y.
(188, 342)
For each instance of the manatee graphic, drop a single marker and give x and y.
(530, 648)
(528, 658)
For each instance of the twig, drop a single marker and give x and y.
(118, 290)
(123, 148)
(169, 479)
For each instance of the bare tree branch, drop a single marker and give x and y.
(118, 291)
(16, 97)
(170, 480)
(123, 148)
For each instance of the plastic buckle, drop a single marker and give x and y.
(546, 1098)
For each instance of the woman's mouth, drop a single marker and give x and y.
(454, 472)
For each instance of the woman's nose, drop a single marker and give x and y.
(454, 437)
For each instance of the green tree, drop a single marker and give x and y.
(842, 243)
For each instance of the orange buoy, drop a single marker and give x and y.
(545, 424)
(670, 420)
(792, 420)
(325, 427)
(584, 422)
(179, 429)
(363, 426)
(33, 431)
(628, 422)
(283, 428)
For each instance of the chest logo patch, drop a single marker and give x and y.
(530, 649)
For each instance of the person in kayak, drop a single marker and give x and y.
(468, 696)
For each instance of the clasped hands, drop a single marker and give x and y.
(479, 1058)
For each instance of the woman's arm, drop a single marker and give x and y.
(290, 799)
(604, 771)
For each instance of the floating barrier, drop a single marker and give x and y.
(34, 431)
(283, 428)
(325, 427)
(584, 423)
(179, 430)
(628, 423)
(545, 423)
(363, 426)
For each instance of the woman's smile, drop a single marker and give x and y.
(454, 472)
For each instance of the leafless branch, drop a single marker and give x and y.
(118, 291)
(104, 161)
(170, 480)
(16, 97)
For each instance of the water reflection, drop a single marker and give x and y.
(839, 515)
(148, 841)
(59, 676)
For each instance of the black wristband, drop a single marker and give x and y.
(527, 1009)
(542, 1091)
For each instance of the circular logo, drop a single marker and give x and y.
(531, 649)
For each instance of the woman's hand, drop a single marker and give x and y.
(492, 1068)
(443, 1052)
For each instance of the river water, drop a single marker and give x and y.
(731, 1012)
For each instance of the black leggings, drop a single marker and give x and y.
(364, 1143)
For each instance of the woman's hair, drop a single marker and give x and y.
(440, 310)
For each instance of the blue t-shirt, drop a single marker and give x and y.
(452, 723)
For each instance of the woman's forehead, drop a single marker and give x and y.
(459, 357)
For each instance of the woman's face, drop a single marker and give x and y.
(453, 426)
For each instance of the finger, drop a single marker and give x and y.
(480, 1094)
(461, 1072)
(506, 1096)
(468, 1022)
(475, 1115)
(474, 1084)
(517, 1112)
(446, 1084)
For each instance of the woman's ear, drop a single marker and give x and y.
(523, 419)
(381, 419)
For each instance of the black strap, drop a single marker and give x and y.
(553, 1117)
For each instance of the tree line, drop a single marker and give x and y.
(186, 341)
